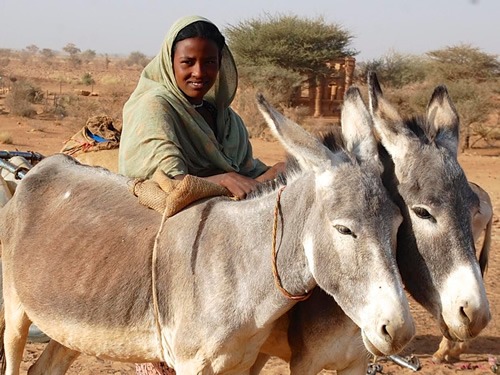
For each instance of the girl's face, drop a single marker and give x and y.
(196, 65)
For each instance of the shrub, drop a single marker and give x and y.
(4, 61)
(21, 97)
(277, 83)
(47, 55)
(20, 108)
(88, 55)
(5, 52)
(395, 69)
(57, 108)
(87, 79)
(75, 60)
(464, 62)
(472, 101)
(137, 58)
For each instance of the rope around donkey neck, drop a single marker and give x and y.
(277, 278)
(154, 291)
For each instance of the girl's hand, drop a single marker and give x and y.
(272, 172)
(237, 184)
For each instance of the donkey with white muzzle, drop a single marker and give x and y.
(435, 245)
(92, 290)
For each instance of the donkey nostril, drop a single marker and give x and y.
(385, 331)
(464, 315)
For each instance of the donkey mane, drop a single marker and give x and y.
(335, 142)
(271, 186)
(421, 128)
(333, 139)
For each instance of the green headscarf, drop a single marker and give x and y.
(161, 129)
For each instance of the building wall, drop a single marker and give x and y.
(326, 99)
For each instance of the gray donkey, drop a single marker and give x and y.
(197, 291)
(435, 245)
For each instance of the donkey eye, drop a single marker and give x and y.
(344, 230)
(422, 213)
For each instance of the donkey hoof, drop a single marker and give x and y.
(437, 359)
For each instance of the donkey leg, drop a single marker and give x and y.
(15, 321)
(55, 360)
(441, 354)
(259, 364)
(457, 349)
(449, 351)
(16, 332)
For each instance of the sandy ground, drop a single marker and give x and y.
(481, 165)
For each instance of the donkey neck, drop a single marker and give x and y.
(288, 212)
(223, 248)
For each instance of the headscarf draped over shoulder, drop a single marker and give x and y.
(161, 129)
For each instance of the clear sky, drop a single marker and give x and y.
(124, 26)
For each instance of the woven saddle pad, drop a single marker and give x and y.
(169, 196)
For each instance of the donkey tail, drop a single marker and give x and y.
(2, 348)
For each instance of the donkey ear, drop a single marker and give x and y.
(443, 117)
(308, 150)
(389, 126)
(357, 127)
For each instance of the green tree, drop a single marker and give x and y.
(297, 44)
(274, 47)
(464, 61)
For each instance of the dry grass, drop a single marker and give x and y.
(36, 129)
(6, 138)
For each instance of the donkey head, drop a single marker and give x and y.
(350, 224)
(435, 249)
